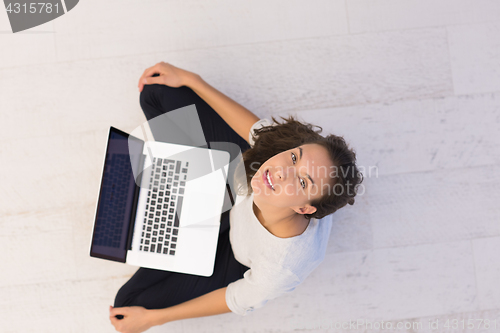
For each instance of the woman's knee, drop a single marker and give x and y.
(123, 297)
(150, 101)
(157, 99)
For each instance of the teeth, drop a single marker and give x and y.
(269, 180)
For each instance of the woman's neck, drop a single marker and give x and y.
(281, 224)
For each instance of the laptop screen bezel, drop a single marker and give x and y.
(134, 204)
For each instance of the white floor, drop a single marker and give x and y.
(413, 85)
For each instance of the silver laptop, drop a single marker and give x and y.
(159, 204)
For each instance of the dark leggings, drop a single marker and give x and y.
(155, 289)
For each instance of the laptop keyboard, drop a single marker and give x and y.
(164, 203)
(114, 196)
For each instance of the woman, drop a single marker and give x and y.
(273, 237)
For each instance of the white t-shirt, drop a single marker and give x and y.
(261, 123)
(277, 265)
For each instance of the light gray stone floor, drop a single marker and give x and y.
(412, 85)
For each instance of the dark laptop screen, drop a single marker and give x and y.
(117, 197)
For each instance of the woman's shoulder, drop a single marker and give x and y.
(310, 247)
(261, 123)
(258, 124)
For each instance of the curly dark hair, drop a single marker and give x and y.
(279, 137)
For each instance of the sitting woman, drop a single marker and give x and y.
(274, 236)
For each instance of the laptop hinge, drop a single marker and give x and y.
(134, 204)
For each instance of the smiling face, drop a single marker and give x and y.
(293, 178)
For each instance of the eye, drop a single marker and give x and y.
(302, 182)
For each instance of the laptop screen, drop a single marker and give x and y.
(117, 197)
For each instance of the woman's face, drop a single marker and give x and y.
(293, 178)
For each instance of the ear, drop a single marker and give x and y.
(307, 209)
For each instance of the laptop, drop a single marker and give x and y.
(159, 204)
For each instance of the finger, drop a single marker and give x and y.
(117, 324)
(148, 72)
(114, 321)
(152, 80)
(116, 311)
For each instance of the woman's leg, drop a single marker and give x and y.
(158, 99)
(155, 289)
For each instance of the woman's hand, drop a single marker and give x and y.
(169, 75)
(136, 319)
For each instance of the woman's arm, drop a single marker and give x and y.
(210, 304)
(136, 319)
(235, 115)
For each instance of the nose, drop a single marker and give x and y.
(282, 173)
(277, 176)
